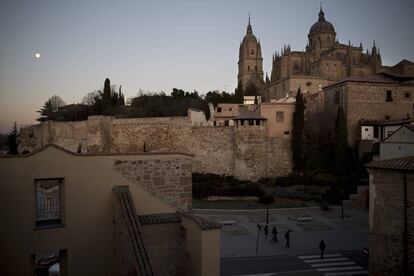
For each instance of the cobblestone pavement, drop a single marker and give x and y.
(308, 225)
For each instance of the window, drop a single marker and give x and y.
(226, 123)
(376, 132)
(49, 263)
(48, 201)
(218, 109)
(230, 109)
(389, 96)
(296, 66)
(248, 68)
(387, 117)
(286, 132)
(252, 51)
(407, 95)
(308, 83)
(366, 129)
(280, 116)
(255, 68)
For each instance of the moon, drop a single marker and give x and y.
(37, 55)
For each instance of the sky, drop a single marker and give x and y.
(158, 45)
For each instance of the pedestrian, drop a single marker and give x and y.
(266, 230)
(274, 232)
(322, 247)
(287, 237)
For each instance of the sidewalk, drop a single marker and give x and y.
(239, 239)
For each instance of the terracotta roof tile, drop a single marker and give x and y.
(159, 218)
(204, 224)
(400, 164)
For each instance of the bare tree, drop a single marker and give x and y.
(90, 98)
(57, 102)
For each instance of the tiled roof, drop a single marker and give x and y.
(401, 164)
(159, 218)
(203, 223)
(386, 122)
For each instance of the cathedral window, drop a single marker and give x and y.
(255, 68)
(389, 96)
(252, 51)
(218, 109)
(248, 68)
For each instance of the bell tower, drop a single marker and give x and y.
(250, 60)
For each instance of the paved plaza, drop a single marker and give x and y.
(308, 226)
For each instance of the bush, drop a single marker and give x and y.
(266, 199)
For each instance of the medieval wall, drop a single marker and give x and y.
(242, 151)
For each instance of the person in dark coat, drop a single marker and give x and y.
(322, 247)
(287, 237)
(274, 232)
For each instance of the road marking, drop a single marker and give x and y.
(332, 264)
(359, 272)
(326, 260)
(339, 268)
(318, 256)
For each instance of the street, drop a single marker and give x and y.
(334, 264)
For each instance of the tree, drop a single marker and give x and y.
(251, 89)
(46, 111)
(90, 98)
(341, 147)
(11, 142)
(57, 102)
(298, 131)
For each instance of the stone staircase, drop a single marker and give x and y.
(360, 200)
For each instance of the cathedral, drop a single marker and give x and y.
(324, 61)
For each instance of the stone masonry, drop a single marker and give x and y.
(168, 180)
(245, 152)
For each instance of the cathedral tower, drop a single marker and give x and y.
(250, 60)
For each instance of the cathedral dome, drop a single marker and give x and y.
(322, 26)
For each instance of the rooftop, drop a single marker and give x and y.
(399, 164)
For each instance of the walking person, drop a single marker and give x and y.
(266, 230)
(287, 237)
(322, 247)
(274, 232)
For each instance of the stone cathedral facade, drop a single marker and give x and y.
(324, 61)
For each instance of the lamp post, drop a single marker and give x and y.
(342, 203)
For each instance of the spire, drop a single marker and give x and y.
(267, 78)
(360, 46)
(321, 14)
(249, 27)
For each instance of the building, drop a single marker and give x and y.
(103, 214)
(250, 61)
(279, 117)
(377, 131)
(399, 144)
(391, 217)
(380, 97)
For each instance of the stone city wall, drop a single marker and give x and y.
(242, 151)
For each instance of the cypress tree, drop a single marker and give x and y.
(11, 142)
(298, 130)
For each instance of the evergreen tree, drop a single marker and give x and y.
(121, 97)
(106, 95)
(46, 112)
(298, 131)
(239, 93)
(251, 89)
(11, 142)
(341, 146)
